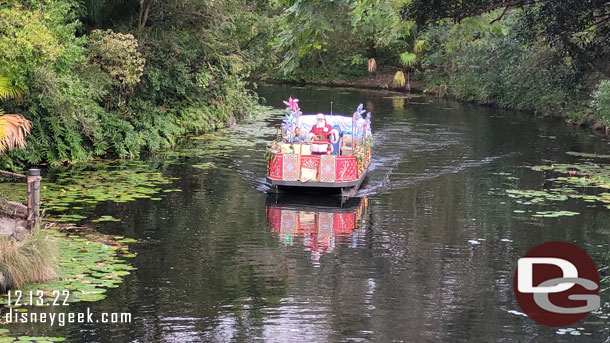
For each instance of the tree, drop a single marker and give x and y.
(580, 28)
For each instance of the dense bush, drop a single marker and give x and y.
(116, 55)
(135, 88)
(491, 63)
(324, 40)
(601, 100)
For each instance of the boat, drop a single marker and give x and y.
(309, 155)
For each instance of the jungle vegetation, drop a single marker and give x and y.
(124, 77)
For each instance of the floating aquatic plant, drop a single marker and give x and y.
(587, 155)
(5, 338)
(586, 181)
(89, 264)
(106, 219)
(550, 214)
(91, 187)
(204, 166)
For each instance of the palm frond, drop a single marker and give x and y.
(419, 46)
(13, 130)
(7, 90)
(408, 59)
(399, 79)
(372, 65)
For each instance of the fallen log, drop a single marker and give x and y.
(14, 209)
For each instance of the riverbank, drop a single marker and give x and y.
(381, 81)
(579, 116)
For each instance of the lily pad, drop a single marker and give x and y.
(106, 219)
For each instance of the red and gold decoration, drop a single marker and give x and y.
(328, 168)
(290, 167)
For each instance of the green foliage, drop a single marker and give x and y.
(87, 264)
(128, 90)
(137, 75)
(308, 29)
(408, 59)
(117, 55)
(548, 54)
(25, 42)
(7, 90)
(488, 63)
(601, 100)
(336, 39)
(419, 46)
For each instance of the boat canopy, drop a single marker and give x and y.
(307, 121)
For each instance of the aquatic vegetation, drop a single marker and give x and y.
(32, 259)
(588, 174)
(587, 155)
(89, 264)
(529, 197)
(550, 214)
(586, 181)
(103, 181)
(204, 166)
(106, 219)
(224, 141)
(122, 181)
(4, 338)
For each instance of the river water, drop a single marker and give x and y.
(426, 253)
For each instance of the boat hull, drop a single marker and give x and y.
(344, 173)
(318, 184)
(347, 189)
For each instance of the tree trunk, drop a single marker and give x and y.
(144, 12)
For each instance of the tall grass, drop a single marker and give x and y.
(32, 259)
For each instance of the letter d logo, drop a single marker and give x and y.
(556, 284)
(526, 273)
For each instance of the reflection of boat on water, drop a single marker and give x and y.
(320, 224)
(321, 151)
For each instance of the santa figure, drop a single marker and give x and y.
(321, 135)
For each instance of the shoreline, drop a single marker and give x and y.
(378, 81)
(383, 82)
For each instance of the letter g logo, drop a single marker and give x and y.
(556, 284)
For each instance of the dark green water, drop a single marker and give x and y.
(431, 260)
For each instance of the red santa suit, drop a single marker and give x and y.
(320, 134)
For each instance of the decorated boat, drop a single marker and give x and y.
(321, 151)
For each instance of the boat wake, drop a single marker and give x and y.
(394, 148)
(374, 185)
